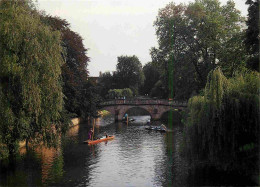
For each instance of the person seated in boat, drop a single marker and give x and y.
(148, 122)
(90, 134)
(106, 135)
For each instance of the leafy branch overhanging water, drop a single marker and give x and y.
(222, 124)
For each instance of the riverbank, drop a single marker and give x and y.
(74, 122)
(102, 113)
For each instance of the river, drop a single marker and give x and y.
(136, 157)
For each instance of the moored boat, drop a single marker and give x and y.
(156, 128)
(129, 120)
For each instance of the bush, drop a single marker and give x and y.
(116, 93)
(127, 92)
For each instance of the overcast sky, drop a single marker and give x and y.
(111, 28)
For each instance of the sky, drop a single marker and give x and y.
(111, 28)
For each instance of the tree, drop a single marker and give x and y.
(89, 101)
(119, 93)
(151, 75)
(106, 82)
(129, 73)
(193, 40)
(252, 34)
(222, 125)
(74, 72)
(81, 97)
(127, 93)
(31, 99)
(157, 90)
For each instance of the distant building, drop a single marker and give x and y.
(93, 80)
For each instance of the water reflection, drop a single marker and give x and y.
(136, 157)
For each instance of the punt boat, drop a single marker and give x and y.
(90, 142)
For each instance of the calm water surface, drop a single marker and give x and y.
(136, 157)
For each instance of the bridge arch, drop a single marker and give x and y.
(128, 111)
(154, 111)
(176, 116)
(154, 107)
(171, 109)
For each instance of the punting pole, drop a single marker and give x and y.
(93, 129)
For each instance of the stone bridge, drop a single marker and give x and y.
(155, 107)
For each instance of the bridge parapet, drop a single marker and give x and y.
(144, 102)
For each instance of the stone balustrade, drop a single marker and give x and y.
(144, 102)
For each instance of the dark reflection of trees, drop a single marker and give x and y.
(177, 166)
(56, 171)
(41, 165)
(35, 167)
(66, 165)
(70, 164)
(76, 156)
(171, 118)
(206, 175)
(25, 171)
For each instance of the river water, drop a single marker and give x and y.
(136, 157)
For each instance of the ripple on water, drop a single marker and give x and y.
(136, 157)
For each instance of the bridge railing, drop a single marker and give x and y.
(144, 102)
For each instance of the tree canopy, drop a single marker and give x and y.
(31, 99)
(222, 125)
(151, 75)
(106, 82)
(129, 73)
(80, 95)
(252, 34)
(194, 39)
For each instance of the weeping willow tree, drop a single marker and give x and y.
(222, 125)
(31, 99)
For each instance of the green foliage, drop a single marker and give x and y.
(194, 39)
(106, 82)
(89, 101)
(119, 93)
(222, 126)
(115, 93)
(31, 99)
(151, 75)
(215, 87)
(81, 97)
(127, 92)
(4, 152)
(129, 73)
(157, 90)
(74, 72)
(252, 34)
